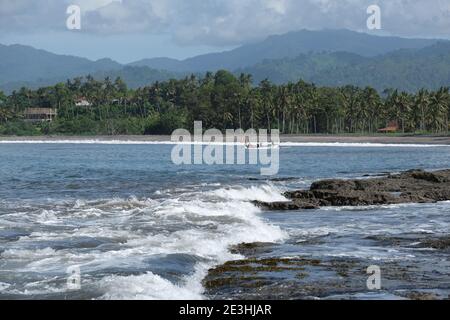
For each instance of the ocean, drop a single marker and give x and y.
(136, 226)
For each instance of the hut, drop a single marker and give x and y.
(39, 114)
(392, 127)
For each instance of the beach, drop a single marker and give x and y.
(299, 139)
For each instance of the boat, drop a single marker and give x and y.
(261, 146)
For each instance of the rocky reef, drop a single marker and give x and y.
(264, 275)
(304, 267)
(415, 186)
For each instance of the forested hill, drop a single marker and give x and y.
(409, 70)
(20, 63)
(330, 57)
(289, 45)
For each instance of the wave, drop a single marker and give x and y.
(151, 287)
(284, 144)
(227, 220)
(361, 145)
(265, 193)
(124, 233)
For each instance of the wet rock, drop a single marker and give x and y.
(429, 176)
(415, 186)
(251, 249)
(421, 296)
(285, 205)
(437, 243)
(266, 275)
(306, 278)
(413, 241)
(255, 277)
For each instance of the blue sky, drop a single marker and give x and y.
(128, 30)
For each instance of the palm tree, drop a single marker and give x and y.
(400, 104)
(285, 103)
(420, 108)
(5, 114)
(372, 102)
(266, 89)
(439, 106)
(350, 98)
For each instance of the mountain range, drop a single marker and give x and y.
(289, 45)
(327, 57)
(405, 69)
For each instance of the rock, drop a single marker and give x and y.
(437, 243)
(413, 241)
(415, 186)
(428, 176)
(285, 205)
(422, 296)
(279, 278)
(248, 249)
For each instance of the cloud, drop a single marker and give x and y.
(226, 22)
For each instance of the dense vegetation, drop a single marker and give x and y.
(222, 101)
(410, 70)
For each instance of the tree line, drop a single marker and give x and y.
(223, 101)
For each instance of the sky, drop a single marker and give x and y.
(129, 30)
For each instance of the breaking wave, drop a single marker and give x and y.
(196, 229)
(284, 144)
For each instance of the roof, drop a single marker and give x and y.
(391, 127)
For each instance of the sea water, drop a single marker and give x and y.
(139, 227)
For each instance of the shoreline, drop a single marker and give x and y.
(299, 139)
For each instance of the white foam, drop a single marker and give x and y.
(151, 287)
(243, 226)
(284, 144)
(28, 254)
(361, 145)
(208, 223)
(265, 193)
(4, 286)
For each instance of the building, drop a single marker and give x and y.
(40, 114)
(82, 102)
(392, 127)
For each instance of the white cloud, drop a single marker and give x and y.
(91, 5)
(227, 22)
(279, 6)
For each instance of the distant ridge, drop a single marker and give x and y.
(405, 69)
(289, 45)
(20, 63)
(328, 57)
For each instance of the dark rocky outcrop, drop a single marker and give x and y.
(270, 276)
(424, 240)
(415, 186)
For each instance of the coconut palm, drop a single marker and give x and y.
(439, 108)
(420, 108)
